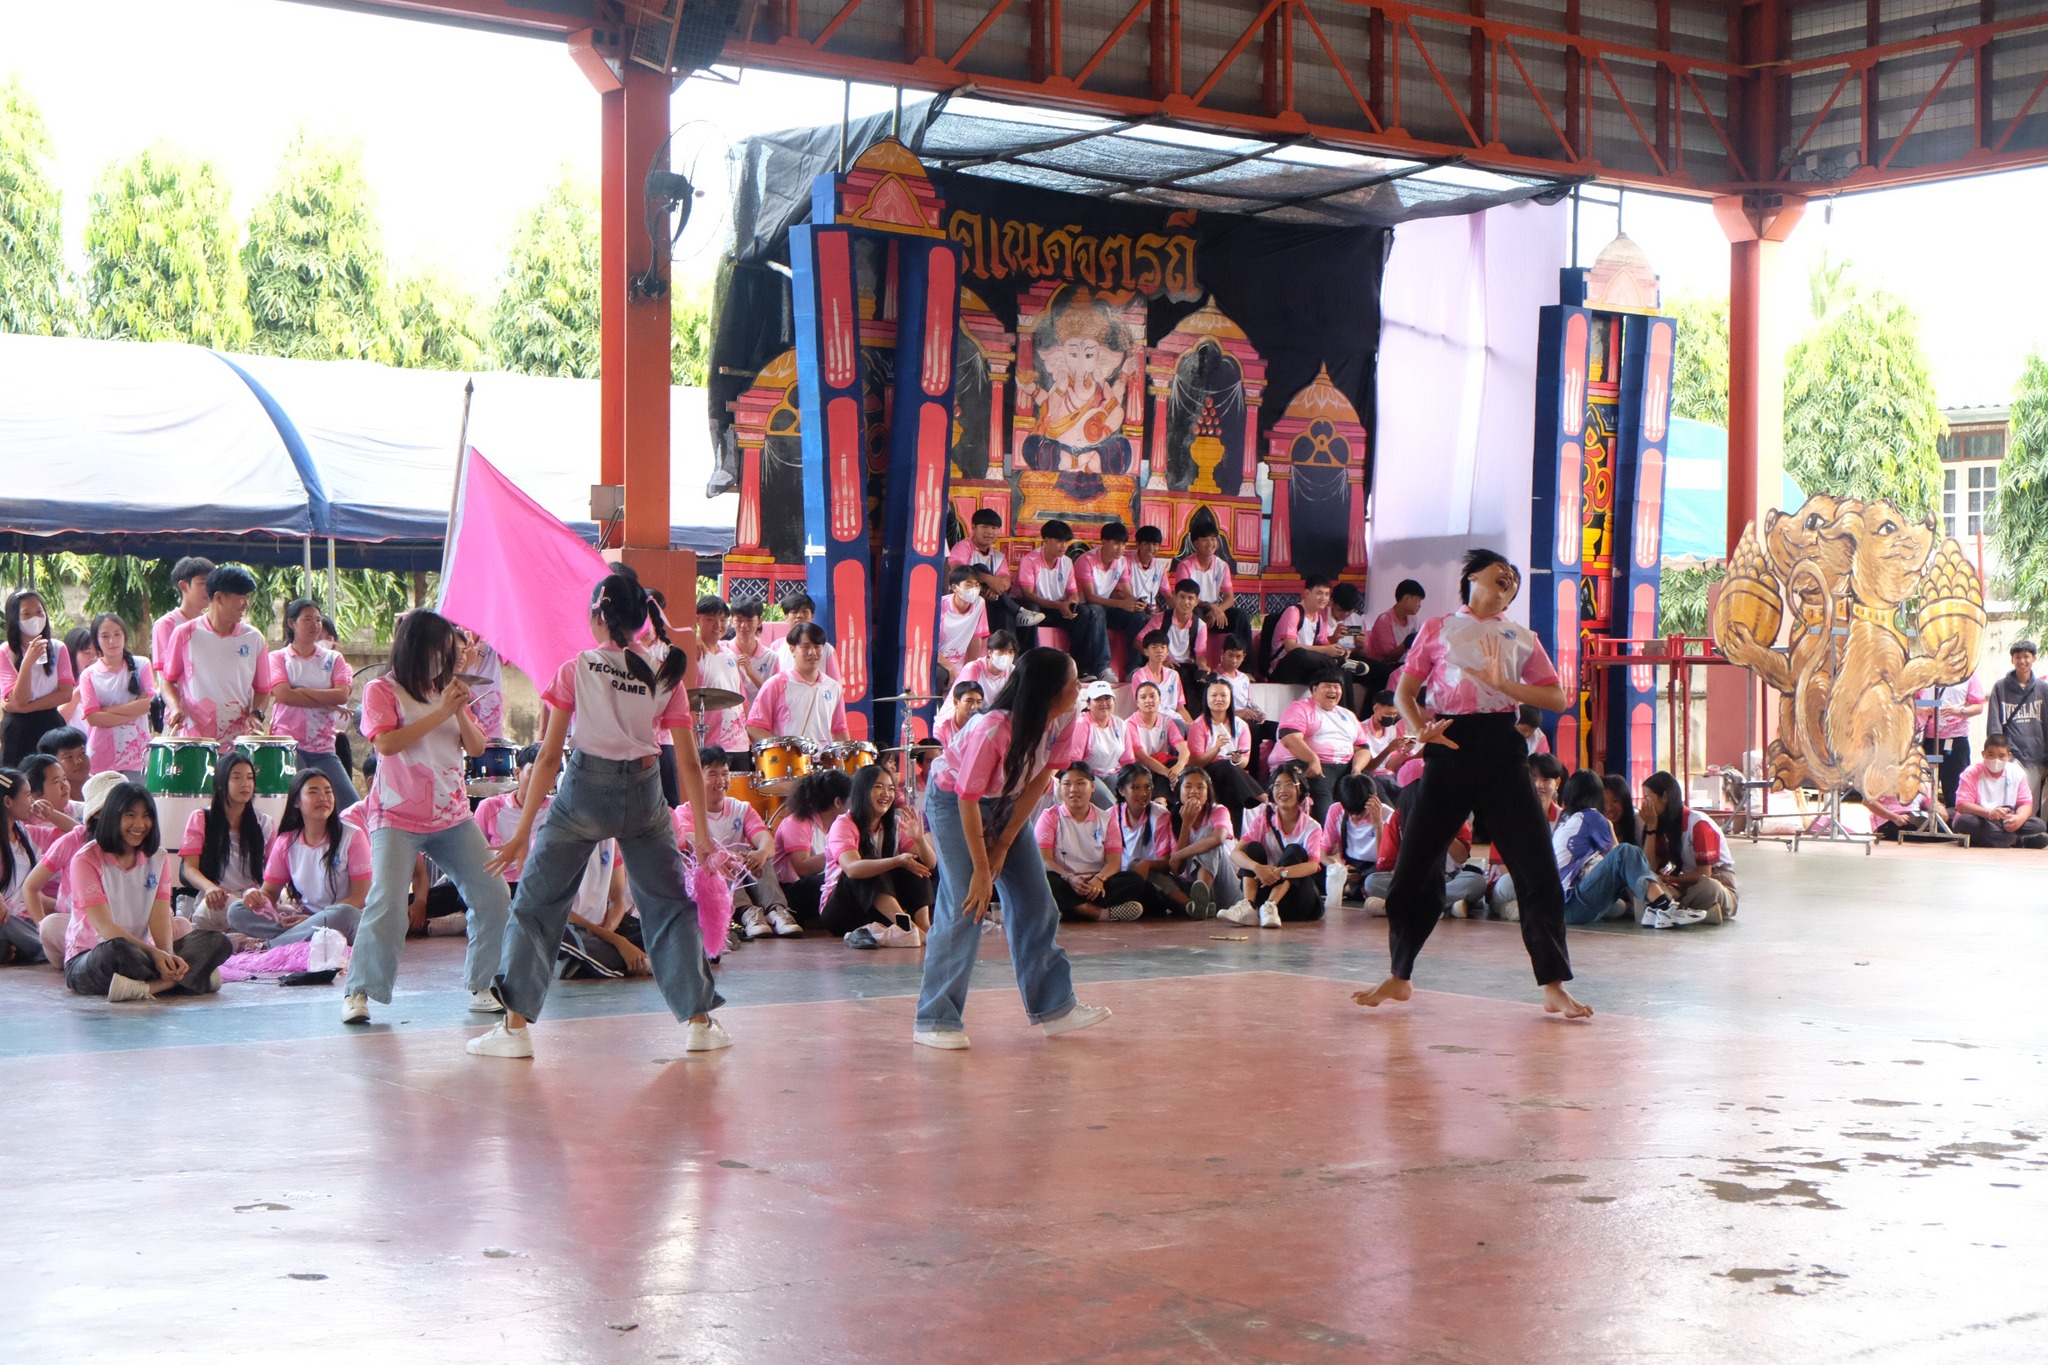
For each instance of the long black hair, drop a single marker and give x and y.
(127, 654)
(1670, 831)
(213, 854)
(294, 822)
(1181, 826)
(877, 834)
(815, 794)
(1028, 696)
(624, 606)
(1478, 561)
(423, 653)
(1628, 828)
(106, 831)
(15, 643)
(1583, 790)
(12, 784)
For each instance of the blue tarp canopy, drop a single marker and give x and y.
(154, 449)
(1696, 493)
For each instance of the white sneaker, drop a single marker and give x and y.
(1269, 916)
(784, 924)
(1079, 1017)
(1124, 911)
(1376, 905)
(123, 988)
(890, 936)
(955, 1041)
(355, 1009)
(705, 1037)
(214, 982)
(501, 1042)
(1241, 913)
(754, 922)
(448, 926)
(1028, 617)
(483, 1002)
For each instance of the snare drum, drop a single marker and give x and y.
(492, 772)
(849, 756)
(179, 775)
(778, 760)
(277, 762)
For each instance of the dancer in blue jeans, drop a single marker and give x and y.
(417, 716)
(622, 705)
(984, 790)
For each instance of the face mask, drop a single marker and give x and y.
(32, 626)
(998, 665)
(967, 595)
(1994, 766)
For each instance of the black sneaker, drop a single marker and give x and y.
(861, 938)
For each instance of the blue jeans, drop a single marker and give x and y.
(1624, 872)
(1030, 920)
(461, 852)
(607, 798)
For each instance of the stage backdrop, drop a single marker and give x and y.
(1457, 374)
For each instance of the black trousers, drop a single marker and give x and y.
(1301, 666)
(1117, 888)
(1132, 626)
(853, 899)
(1954, 759)
(20, 731)
(1486, 776)
(802, 895)
(92, 971)
(1299, 898)
(1002, 614)
(1236, 790)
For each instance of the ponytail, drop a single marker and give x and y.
(625, 606)
(11, 783)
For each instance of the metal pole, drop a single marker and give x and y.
(845, 117)
(333, 578)
(308, 565)
(896, 124)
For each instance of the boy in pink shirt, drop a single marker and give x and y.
(963, 622)
(1045, 585)
(219, 675)
(1210, 573)
(981, 553)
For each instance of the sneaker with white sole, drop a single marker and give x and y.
(1241, 913)
(784, 924)
(448, 926)
(1079, 1017)
(123, 988)
(1123, 912)
(501, 1042)
(483, 1002)
(705, 1037)
(1029, 617)
(1269, 916)
(1376, 905)
(754, 922)
(214, 982)
(896, 936)
(355, 1009)
(954, 1041)
(863, 937)
(1201, 901)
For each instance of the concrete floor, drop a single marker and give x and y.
(1819, 1133)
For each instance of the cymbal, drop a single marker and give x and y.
(714, 699)
(920, 747)
(910, 697)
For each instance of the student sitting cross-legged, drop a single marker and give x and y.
(317, 874)
(1993, 804)
(876, 887)
(1083, 851)
(1280, 858)
(119, 941)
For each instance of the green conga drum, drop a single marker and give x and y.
(277, 762)
(179, 775)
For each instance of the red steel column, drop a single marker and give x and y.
(611, 380)
(1756, 227)
(646, 321)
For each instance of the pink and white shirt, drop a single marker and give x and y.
(421, 789)
(1217, 820)
(1389, 636)
(958, 630)
(498, 816)
(1147, 581)
(1981, 787)
(758, 667)
(726, 728)
(734, 824)
(844, 838)
(1240, 687)
(123, 747)
(986, 671)
(1184, 643)
(28, 850)
(1356, 841)
(1237, 739)
(314, 727)
(166, 626)
(1157, 739)
(1332, 734)
(787, 705)
(1295, 624)
(1149, 836)
(1052, 580)
(235, 877)
(1374, 738)
(487, 699)
(130, 894)
(1950, 701)
(946, 728)
(785, 660)
(1213, 581)
(1102, 579)
(617, 716)
(1263, 826)
(304, 867)
(41, 682)
(796, 835)
(219, 677)
(1166, 678)
(963, 552)
(58, 854)
(1085, 845)
(1448, 648)
(971, 767)
(1101, 747)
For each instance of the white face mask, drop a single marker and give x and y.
(1994, 766)
(32, 626)
(968, 593)
(999, 665)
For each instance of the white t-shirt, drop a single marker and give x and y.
(218, 676)
(787, 705)
(727, 728)
(1147, 581)
(1083, 844)
(617, 716)
(959, 629)
(594, 892)
(1105, 753)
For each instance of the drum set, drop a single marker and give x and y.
(179, 775)
(780, 760)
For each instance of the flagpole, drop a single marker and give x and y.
(455, 497)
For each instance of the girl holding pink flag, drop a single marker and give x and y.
(621, 704)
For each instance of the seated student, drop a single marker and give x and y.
(1230, 669)
(965, 698)
(1547, 775)
(1083, 854)
(1347, 604)
(50, 793)
(115, 695)
(800, 700)
(1464, 886)
(1620, 809)
(603, 939)
(1209, 571)
(963, 622)
(1392, 633)
(1891, 818)
(1104, 575)
(498, 816)
(799, 610)
(1280, 857)
(317, 873)
(739, 829)
(1325, 740)
(67, 745)
(1381, 730)
(802, 828)
(757, 659)
(1305, 642)
(1100, 740)
(1046, 591)
(876, 894)
(224, 845)
(1186, 639)
(1687, 850)
(1154, 740)
(1144, 836)
(1203, 831)
(119, 942)
(1529, 724)
(20, 856)
(36, 681)
(1220, 745)
(1603, 878)
(1160, 671)
(1351, 832)
(45, 901)
(980, 552)
(998, 659)
(1993, 804)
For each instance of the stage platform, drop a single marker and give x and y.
(1815, 1134)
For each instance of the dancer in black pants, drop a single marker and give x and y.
(1479, 667)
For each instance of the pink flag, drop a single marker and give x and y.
(514, 574)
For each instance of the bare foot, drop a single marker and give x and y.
(1393, 988)
(1558, 1000)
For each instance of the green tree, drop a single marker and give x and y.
(690, 334)
(1860, 414)
(545, 318)
(434, 325)
(318, 287)
(1682, 598)
(35, 285)
(2019, 525)
(160, 249)
(1699, 380)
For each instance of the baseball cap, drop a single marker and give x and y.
(1097, 689)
